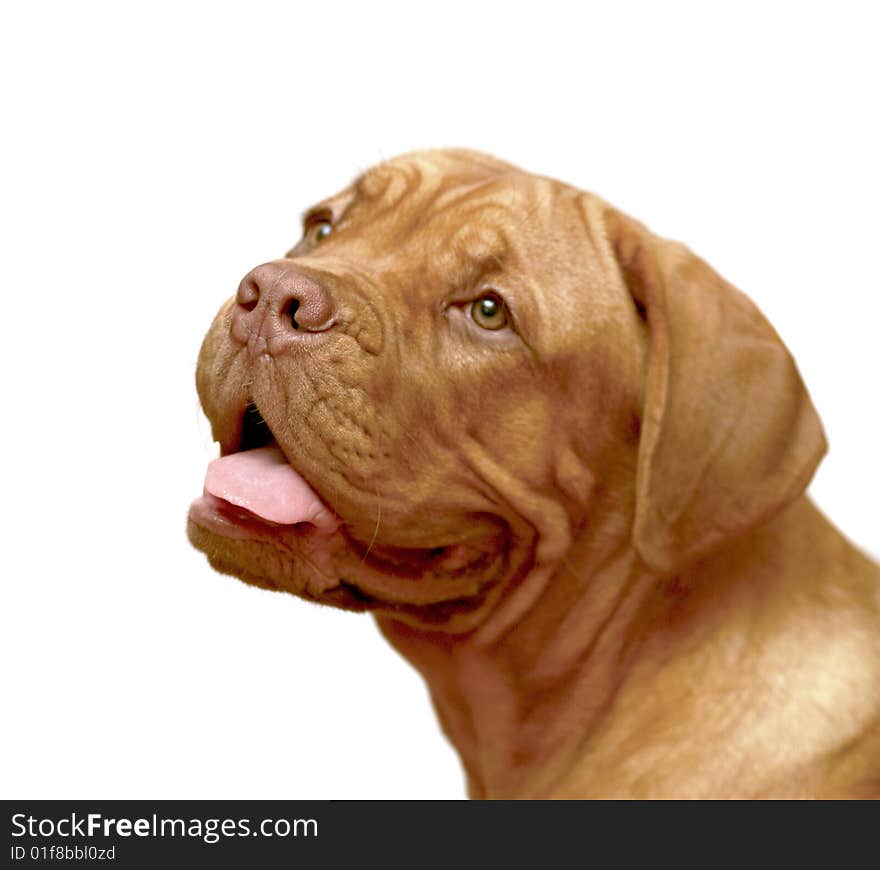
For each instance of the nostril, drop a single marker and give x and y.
(292, 307)
(273, 302)
(248, 294)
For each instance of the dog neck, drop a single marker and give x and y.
(520, 694)
(612, 657)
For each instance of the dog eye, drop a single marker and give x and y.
(318, 230)
(489, 311)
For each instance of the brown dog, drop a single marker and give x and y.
(563, 462)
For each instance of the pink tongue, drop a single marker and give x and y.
(262, 482)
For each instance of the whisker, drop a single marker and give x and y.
(376, 530)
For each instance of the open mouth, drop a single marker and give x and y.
(255, 485)
(253, 494)
(255, 431)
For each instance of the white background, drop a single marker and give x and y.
(154, 153)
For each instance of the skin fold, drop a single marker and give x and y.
(586, 527)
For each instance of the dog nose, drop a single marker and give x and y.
(276, 305)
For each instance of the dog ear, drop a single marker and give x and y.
(729, 435)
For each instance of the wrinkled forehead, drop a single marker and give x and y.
(429, 171)
(454, 215)
(419, 188)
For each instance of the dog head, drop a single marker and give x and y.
(458, 367)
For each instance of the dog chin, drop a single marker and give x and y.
(446, 589)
